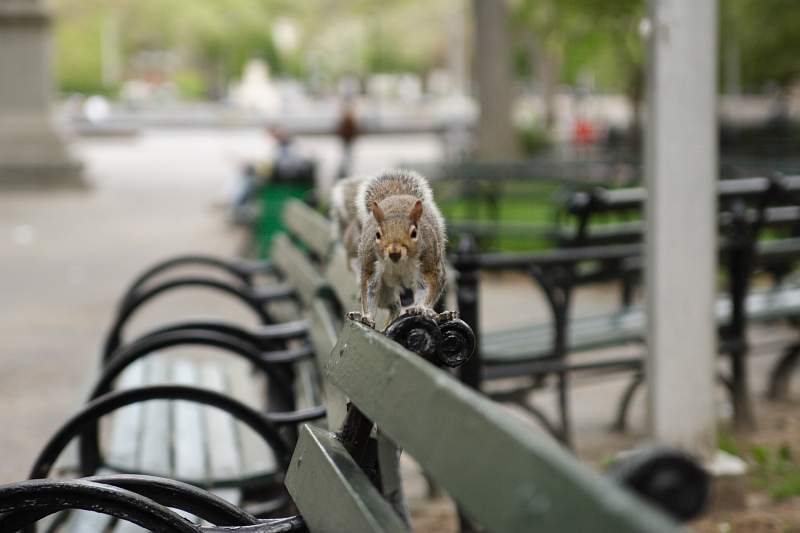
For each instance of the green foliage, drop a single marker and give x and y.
(78, 65)
(776, 471)
(534, 140)
(766, 33)
(190, 84)
(727, 443)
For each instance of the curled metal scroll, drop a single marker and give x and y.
(444, 340)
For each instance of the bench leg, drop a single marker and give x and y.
(742, 411)
(565, 434)
(621, 422)
(780, 376)
(520, 398)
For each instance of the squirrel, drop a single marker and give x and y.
(343, 212)
(401, 251)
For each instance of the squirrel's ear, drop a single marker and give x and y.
(377, 212)
(416, 211)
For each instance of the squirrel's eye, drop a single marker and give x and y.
(378, 236)
(413, 233)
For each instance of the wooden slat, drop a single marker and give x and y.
(257, 457)
(189, 436)
(342, 280)
(156, 446)
(323, 337)
(85, 522)
(297, 268)
(310, 227)
(332, 492)
(306, 384)
(224, 459)
(126, 423)
(505, 473)
(124, 448)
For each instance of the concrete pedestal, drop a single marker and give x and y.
(32, 153)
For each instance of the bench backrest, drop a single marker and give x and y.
(758, 193)
(309, 227)
(525, 481)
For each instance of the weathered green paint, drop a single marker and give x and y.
(310, 227)
(342, 280)
(589, 333)
(297, 268)
(332, 492)
(323, 338)
(506, 474)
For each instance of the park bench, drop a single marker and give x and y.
(540, 350)
(178, 439)
(349, 481)
(336, 479)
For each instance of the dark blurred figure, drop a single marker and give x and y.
(347, 130)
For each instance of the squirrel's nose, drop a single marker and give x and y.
(394, 256)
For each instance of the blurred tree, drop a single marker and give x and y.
(765, 40)
(565, 39)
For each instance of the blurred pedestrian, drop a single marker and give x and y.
(347, 130)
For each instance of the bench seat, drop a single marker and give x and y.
(534, 343)
(181, 440)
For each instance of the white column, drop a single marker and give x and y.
(31, 151)
(681, 169)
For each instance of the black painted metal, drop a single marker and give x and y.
(166, 492)
(272, 351)
(265, 336)
(226, 344)
(458, 343)
(292, 524)
(468, 297)
(780, 376)
(236, 270)
(55, 495)
(84, 424)
(420, 334)
(252, 301)
(668, 479)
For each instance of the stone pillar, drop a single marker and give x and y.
(494, 80)
(32, 153)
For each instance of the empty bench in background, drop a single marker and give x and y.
(541, 349)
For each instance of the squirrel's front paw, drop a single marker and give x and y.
(363, 319)
(446, 316)
(420, 310)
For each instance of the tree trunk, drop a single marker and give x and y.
(496, 138)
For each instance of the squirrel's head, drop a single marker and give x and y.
(397, 232)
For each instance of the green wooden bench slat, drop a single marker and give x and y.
(126, 423)
(342, 280)
(85, 521)
(189, 436)
(323, 338)
(156, 445)
(589, 333)
(297, 268)
(224, 458)
(310, 227)
(306, 384)
(504, 472)
(332, 492)
(257, 457)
